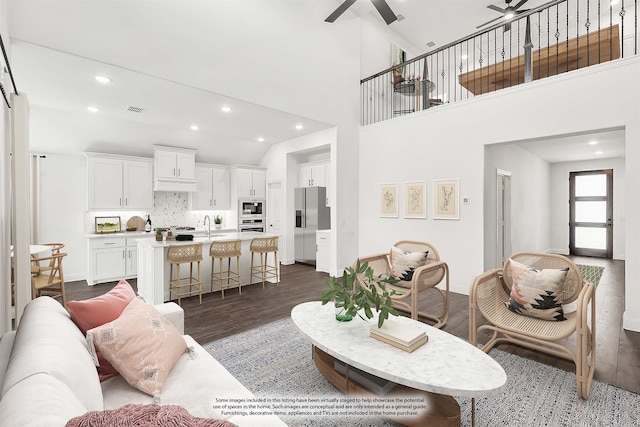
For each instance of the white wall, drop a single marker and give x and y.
(448, 142)
(5, 210)
(560, 205)
(529, 200)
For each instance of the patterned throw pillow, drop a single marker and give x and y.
(141, 344)
(94, 312)
(537, 292)
(404, 263)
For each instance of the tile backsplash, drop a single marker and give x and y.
(169, 209)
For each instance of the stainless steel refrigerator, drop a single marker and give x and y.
(312, 214)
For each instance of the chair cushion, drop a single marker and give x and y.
(537, 292)
(94, 312)
(404, 263)
(141, 344)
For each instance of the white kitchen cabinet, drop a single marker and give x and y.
(252, 183)
(112, 259)
(323, 250)
(313, 174)
(213, 188)
(175, 164)
(119, 182)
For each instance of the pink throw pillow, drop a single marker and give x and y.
(94, 312)
(141, 344)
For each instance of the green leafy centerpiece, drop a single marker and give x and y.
(360, 291)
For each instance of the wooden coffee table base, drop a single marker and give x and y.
(442, 410)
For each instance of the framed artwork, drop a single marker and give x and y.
(389, 200)
(446, 199)
(415, 200)
(398, 56)
(107, 224)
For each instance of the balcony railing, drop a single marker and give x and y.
(557, 37)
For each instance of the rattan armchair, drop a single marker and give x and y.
(425, 278)
(491, 291)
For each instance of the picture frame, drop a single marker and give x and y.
(446, 199)
(415, 199)
(388, 200)
(107, 224)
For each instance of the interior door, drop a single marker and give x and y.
(274, 209)
(591, 213)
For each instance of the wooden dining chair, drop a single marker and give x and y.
(36, 267)
(50, 282)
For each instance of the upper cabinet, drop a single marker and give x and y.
(316, 174)
(213, 188)
(252, 183)
(313, 174)
(175, 169)
(119, 182)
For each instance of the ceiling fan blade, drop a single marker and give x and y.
(496, 8)
(489, 22)
(520, 3)
(340, 10)
(385, 11)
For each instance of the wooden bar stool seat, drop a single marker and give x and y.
(184, 286)
(219, 250)
(264, 246)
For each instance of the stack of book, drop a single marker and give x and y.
(403, 336)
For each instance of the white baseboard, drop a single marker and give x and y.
(74, 277)
(620, 257)
(557, 251)
(288, 261)
(630, 324)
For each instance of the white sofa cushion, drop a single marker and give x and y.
(6, 344)
(39, 400)
(48, 342)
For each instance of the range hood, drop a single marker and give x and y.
(161, 185)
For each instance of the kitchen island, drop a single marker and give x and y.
(153, 268)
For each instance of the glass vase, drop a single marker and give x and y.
(341, 312)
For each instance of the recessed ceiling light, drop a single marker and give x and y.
(226, 109)
(103, 79)
(298, 126)
(260, 139)
(194, 127)
(598, 152)
(593, 142)
(93, 109)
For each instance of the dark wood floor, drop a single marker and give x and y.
(618, 351)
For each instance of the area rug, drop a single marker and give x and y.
(591, 273)
(274, 361)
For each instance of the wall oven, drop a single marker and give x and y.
(255, 224)
(251, 209)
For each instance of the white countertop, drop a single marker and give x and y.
(198, 233)
(215, 236)
(446, 364)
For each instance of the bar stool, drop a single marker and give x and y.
(183, 254)
(218, 251)
(263, 246)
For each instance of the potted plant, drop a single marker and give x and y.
(360, 291)
(217, 220)
(159, 234)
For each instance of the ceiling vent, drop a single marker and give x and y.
(400, 17)
(134, 109)
(431, 44)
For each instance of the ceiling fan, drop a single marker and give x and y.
(507, 13)
(383, 9)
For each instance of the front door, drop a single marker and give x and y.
(591, 213)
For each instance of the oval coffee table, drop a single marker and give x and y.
(445, 366)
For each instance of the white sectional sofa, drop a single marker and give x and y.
(48, 376)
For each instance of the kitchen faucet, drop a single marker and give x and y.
(207, 221)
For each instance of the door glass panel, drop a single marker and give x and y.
(591, 185)
(589, 237)
(591, 211)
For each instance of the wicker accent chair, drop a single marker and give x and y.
(491, 291)
(425, 278)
